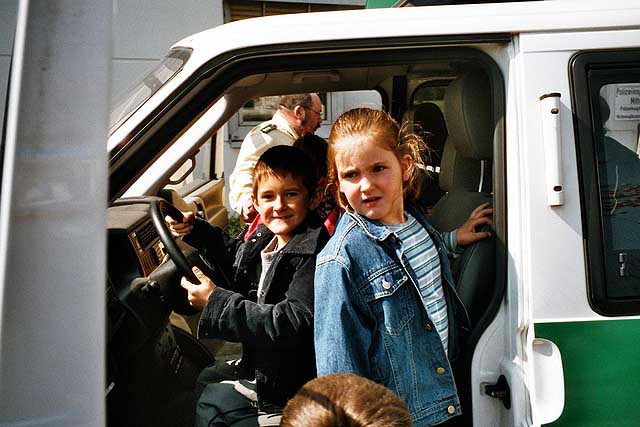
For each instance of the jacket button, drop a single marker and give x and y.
(385, 284)
(440, 370)
(428, 327)
(451, 409)
(253, 240)
(259, 234)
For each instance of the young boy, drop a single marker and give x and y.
(269, 306)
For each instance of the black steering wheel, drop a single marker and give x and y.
(158, 208)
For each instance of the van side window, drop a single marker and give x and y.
(607, 103)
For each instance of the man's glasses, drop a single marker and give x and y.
(319, 113)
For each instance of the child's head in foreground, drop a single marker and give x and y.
(284, 181)
(345, 400)
(372, 164)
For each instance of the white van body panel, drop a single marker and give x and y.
(546, 242)
(555, 257)
(52, 218)
(515, 18)
(62, 83)
(545, 37)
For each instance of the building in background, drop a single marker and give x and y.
(145, 29)
(143, 32)
(241, 9)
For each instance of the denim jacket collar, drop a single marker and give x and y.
(379, 231)
(375, 229)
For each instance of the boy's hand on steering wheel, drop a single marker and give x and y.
(180, 229)
(198, 293)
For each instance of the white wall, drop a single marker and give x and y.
(143, 32)
(145, 29)
(8, 10)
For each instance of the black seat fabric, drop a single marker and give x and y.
(428, 121)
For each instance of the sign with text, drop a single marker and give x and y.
(627, 102)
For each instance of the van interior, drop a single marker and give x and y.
(453, 95)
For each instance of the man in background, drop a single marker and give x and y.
(296, 116)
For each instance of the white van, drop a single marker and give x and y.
(541, 102)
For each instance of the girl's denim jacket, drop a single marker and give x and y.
(370, 319)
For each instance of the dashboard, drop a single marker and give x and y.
(143, 284)
(149, 361)
(134, 246)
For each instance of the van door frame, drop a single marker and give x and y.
(215, 76)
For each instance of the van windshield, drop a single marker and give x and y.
(129, 101)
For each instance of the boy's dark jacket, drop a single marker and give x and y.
(275, 327)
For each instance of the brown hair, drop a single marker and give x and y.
(284, 160)
(345, 400)
(291, 101)
(316, 148)
(380, 127)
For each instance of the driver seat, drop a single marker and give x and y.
(465, 174)
(467, 156)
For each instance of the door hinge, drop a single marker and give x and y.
(500, 390)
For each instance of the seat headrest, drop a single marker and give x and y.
(458, 172)
(431, 126)
(468, 111)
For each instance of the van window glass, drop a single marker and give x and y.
(261, 109)
(125, 104)
(258, 110)
(430, 91)
(619, 182)
(202, 172)
(610, 161)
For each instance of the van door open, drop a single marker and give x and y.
(580, 245)
(52, 217)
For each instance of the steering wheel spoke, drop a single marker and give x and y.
(158, 209)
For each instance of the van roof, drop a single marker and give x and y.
(402, 3)
(518, 17)
(380, 24)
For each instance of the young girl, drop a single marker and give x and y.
(385, 305)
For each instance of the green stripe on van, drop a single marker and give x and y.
(601, 362)
(375, 4)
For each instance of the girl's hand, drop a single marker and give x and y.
(180, 229)
(467, 233)
(198, 293)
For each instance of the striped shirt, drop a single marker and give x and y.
(422, 255)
